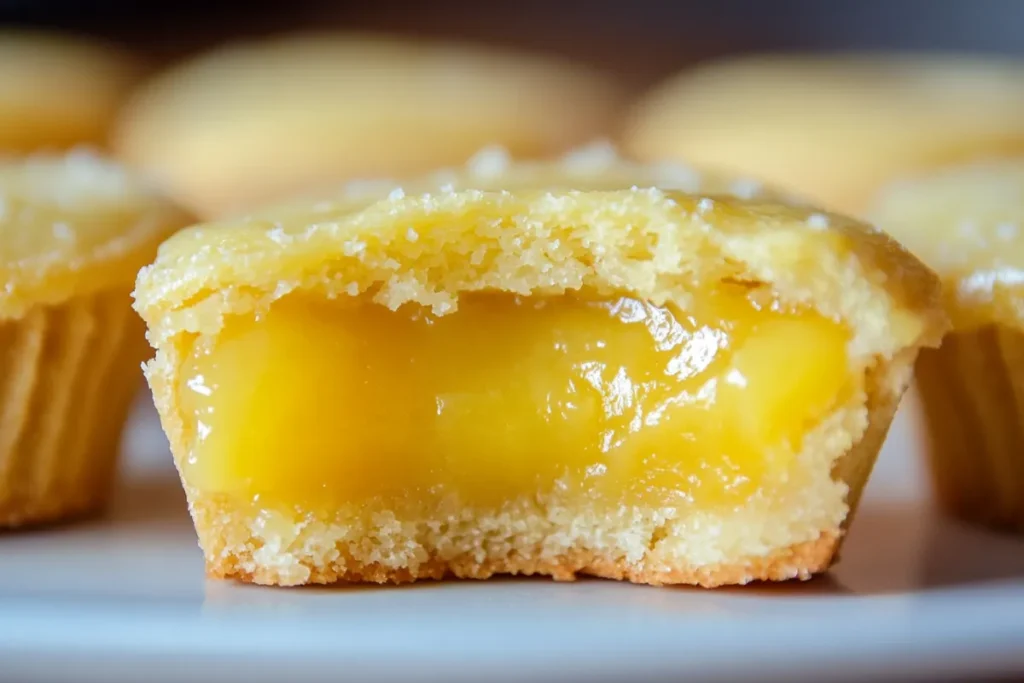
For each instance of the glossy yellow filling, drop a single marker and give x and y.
(316, 404)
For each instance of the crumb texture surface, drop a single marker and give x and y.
(552, 229)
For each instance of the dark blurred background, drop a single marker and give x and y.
(639, 39)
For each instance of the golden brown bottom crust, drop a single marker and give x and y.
(237, 546)
(801, 561)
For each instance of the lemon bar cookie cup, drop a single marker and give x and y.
(540, 369)
(967, 223)
(332, 107)
(58, 91)
(835, 127)
(73, 232)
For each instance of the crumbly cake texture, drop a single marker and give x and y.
(784, 117)
(968, 224)
(73, 232)
(430, 247)
(345, 106)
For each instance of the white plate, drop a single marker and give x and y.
(124, 598)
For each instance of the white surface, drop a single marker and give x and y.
(124, 598)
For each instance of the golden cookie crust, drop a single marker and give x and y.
(802, 561)
(843, 267)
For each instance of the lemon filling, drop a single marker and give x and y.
(318, 404)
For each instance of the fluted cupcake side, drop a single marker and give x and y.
(972, 390)
(67, 376)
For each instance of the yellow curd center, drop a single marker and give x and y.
(316, 404)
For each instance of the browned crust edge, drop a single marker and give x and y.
(799, 561)
(886, 385)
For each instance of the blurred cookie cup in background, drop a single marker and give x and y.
(58, 91)
(968, 224)
(255, 122)
(834, 128)
(74, 231)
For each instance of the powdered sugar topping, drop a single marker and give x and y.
(354, 247)
(818, 221)
(1007, 232)
(597, 156)
(489, 162)
(745, 188)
